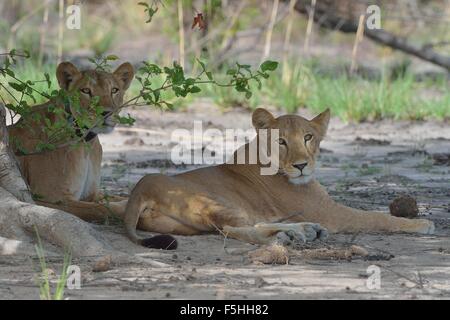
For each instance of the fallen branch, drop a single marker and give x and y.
(328, 19)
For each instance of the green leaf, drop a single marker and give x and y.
(264, 75)
(43, 146)
(202, 64)
(190, 81)
(269, 65)
(10, 72)
(47, 79)
(157, 95)
(112, 57)
(244, 66)
(17, 86)
(168, 105)
(195, 89)
(128, 120)
(259, 83)
(209, 75)
(248, 94)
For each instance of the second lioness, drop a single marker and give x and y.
(68, 177)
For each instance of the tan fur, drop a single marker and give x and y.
(236, 195)
(68, 178)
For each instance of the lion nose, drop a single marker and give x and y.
(300, 166)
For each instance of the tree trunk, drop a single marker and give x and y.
(20, 217)
(10, 176)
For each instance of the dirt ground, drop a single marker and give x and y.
(365, 166)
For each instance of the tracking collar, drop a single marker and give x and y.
(91, 135)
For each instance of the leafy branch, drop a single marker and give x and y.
(71, 127)
(176, 81)
(62, 133)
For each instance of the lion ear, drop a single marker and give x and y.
(66, 73)
(125, 73)
(321, 121)
(262, 119)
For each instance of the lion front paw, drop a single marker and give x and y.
(425, 226)
(301, 233)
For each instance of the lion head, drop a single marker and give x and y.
(298, 141)
(108, 87)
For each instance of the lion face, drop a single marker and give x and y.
(108, 87)
(298, 141)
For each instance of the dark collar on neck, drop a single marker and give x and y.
(91, 135)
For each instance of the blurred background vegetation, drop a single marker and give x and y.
(315, 62)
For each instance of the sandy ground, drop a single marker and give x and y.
(365, 166)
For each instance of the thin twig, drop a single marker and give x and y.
(181, 32)
(272, 21)
(225, 237)
(309, 26)
(60, 30)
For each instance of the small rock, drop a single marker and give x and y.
(441, 159)
(190, 277)
(260, 282)
(404, 206)
(102, 264)
(134, 142)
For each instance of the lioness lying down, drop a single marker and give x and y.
(68, 177)
(242, 203)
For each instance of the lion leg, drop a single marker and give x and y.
(265, 233)
(339, 218)
(88, 211)
(319, 207)
(117, 207)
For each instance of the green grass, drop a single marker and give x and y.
(28, 71)
(350, 98)
(302, 86)
(357, 99)
(360, 100)
(45, 292)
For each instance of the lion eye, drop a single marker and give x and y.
(86, 91)
(308, 137)
(282, 141)
(115, 90)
